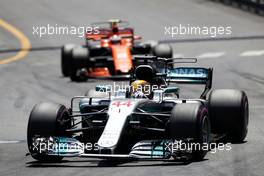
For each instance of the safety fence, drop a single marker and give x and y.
(254, 6)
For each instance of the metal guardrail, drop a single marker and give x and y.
(255, 6)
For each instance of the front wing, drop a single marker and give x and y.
(71, 147)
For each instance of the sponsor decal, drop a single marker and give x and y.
(188, 72)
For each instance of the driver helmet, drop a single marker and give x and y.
(140, 89)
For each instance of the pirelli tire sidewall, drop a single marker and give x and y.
(47, 119)
(163, 50)
(190, 120)
(65, 58)
(79, 60)
(184, 120)
(229, 113)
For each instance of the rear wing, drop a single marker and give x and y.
(104, 33)
(191, 75)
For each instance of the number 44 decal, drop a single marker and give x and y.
(122, 103)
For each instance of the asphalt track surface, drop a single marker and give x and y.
(37, 78)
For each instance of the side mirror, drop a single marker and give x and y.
(158, 95)
(175, 90)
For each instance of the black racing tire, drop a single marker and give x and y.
(227, 2)
(151, 43)
(65, 58)
(253, 9)
(191, 120)
(111, 69)
(229, 113)
(45, 120)
(79, 60)
(203, 138)
(163, 51)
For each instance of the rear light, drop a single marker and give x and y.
(105, 43)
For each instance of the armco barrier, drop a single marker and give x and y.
(255, 6)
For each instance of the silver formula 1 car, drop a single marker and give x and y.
(153, 126)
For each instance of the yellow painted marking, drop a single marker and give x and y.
(24, 42)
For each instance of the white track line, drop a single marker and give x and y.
(252, 53)
(256, 107)
(211, 55)
(9, 142)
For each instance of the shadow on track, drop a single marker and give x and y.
(108, 163)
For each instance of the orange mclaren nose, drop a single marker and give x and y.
(122, 58)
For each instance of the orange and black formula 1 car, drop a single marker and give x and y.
(108, 52)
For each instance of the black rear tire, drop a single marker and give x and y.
(65, 58)
(79, 60)
(227, 2)
(190, 120)
(229, 113)
(163, 51)
(47, 119)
